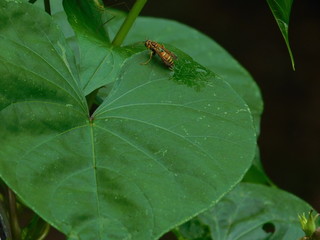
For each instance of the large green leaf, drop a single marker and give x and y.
(164, 146)
(281, 10)
(249, 211)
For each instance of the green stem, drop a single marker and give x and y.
(127, 24)
(45, 232)
(15, 227)
(37, 229)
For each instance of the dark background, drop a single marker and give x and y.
(289, 142)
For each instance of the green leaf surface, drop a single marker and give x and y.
(281, 10)
(201, 48)
(87, 17)
(100, 63)
(34, 60)
(163, 146)
(250, 211)
(60, 17)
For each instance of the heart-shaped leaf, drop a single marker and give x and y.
(164, 146)
(250, 211)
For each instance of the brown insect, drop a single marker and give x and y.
(166, 56)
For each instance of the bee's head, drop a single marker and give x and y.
(147, 43)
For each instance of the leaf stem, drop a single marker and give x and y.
(127, 24)
(47, 7)
(16, 230)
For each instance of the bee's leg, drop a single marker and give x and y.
(151, 55)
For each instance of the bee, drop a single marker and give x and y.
(166, 56)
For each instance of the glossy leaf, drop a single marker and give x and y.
(281, 10)
(164, 146)
(249, 211)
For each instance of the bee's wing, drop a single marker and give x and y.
(157, 50)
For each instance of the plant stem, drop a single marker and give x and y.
(127, 24)
(15, 227)
(45, 232)
(37, 229)
(47, 7)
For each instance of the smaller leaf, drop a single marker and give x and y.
(100, 62)
(250, 211)
(281, 11)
